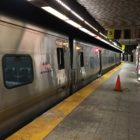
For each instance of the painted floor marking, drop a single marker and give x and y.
(43, 125)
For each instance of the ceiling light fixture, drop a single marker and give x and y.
(91, 26)
(115, 43)
(105, 41)
(103, 35)
(75, 14)
(66, 19)
(69, 9)
(87, 31)
(55, 13)
(63, 4)
(73, 23)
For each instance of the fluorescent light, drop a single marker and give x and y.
(92, 34)
(115, 43)
(55, 13)
(98, 37)
(66, 19)
(87, 31)
(61, 16)
(74, 13)
(64, 5)
(84, 30)
(91, 26)
(105, 41)
(108, 43)
(69, 9)
(103, 35)
(73, 23)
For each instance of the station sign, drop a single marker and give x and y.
(123, 47)
(110, 34)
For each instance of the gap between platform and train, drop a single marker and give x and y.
(43, 125)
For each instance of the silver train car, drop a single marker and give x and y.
(38, 70)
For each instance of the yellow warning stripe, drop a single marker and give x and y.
(42, 126)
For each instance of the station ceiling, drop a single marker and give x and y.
(118, 15)
(114, 13)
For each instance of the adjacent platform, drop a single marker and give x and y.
(96, 112)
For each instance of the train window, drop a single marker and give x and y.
(17, 70)
(91, 62)
(60, 58)
(81, 59)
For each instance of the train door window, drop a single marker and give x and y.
(91, 62)
(60, 58)
(81, 59)
(17, 70)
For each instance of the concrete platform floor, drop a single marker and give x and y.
(105, 114)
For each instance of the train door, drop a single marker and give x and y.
(64, 69)
(80, 65)
(67, 65)
(100, 61)
(138, 62)
(77, 66)
(115, 59)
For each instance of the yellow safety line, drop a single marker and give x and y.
(42, 126)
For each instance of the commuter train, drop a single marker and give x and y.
(38, 70)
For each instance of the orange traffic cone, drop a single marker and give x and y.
(118, 84)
